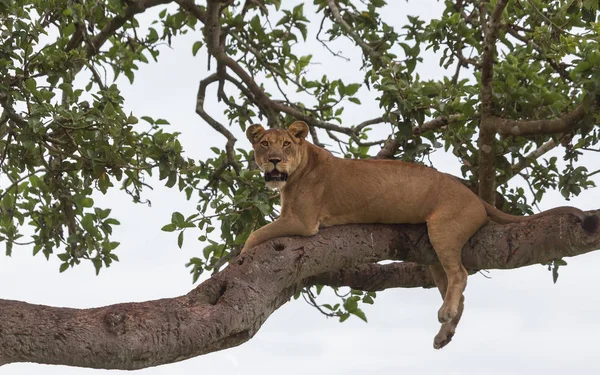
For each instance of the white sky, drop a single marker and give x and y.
(517, 322)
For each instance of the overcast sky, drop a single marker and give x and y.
(517, 322)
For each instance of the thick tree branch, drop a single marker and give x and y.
(374, 277)
(229, 308)
(522, 128)
(389, 149)
(487, 135)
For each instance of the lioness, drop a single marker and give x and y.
(320, 190)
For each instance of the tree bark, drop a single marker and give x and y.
(229, 308)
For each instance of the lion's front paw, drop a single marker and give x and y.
(446, 313)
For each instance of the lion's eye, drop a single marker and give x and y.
(286, 144)
(264, 144)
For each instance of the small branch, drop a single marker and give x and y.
(196, 10)
(437, 123)
(367, 49)
(336, 54)
(544, 17)
(10, 111)
(231, 159)
(527, 160)
(391, 145)
(366, 123)
(558, 67)
(133, 8)
(18, 181)
(315, 136)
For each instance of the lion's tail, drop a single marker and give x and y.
(590, 223)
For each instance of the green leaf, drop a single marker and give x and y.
(196, 47)
(148, 119)
(177, 219)
(169, 228)
(368, 299)
(63, 267)
(97, 262)
(352, 88)
(88, 223)
(112, 221)
(560, 262)
(360, 314)
(180, 239)
(172, 180)
(31, 84)
(87, 202)
(102, 213)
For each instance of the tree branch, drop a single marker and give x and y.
(487, 171)
(558, 67)
(367, 49)
(231, 159)
(374, 277)
(391, 145)
(437, 123)
(133, 7)
(522, 128)
(10, 112)
(229, 308)
(527, 160)
(216, 49)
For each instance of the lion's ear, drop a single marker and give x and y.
(298, 129)
(254, 133)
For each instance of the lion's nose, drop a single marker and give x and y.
(275, 161)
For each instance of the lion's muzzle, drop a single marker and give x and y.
(276, 175)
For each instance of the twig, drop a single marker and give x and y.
(231, 158)
(367, 49)
(18, 181)
(336, 54)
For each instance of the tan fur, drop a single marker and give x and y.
(322, 190)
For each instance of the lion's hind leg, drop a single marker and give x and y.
(447, 329)
(450, 227)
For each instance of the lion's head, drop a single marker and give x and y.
(278, 152)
